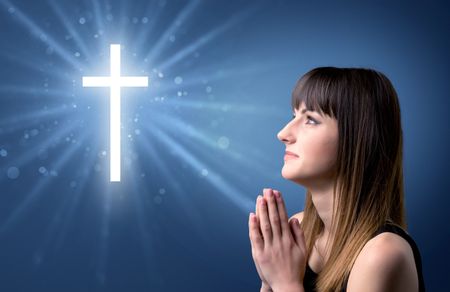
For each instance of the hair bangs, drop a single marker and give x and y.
(318, 91)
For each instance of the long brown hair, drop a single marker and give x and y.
(368, 189)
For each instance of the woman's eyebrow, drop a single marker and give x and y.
(305, 110)
(302, 112)
(311, 110)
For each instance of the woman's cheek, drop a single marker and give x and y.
(316, 158)
(325, 153)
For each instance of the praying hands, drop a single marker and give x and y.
(278, 245)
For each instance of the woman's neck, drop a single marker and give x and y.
(322, 199)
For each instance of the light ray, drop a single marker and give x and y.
(70, 28)
(222, 107)
(180, 18)
(32, 64)
(63, 216)
(44, 144)
(144, 229)
(122, 18)
(46, 113)
(205, 39)
(233, 194)
(40, 33)
(38, 188)
(213, 75)
(72, 204)
(254, 164)
(102, 252)
(98, 20)
(199, 224)
(164, 169)
(40, 92)
(142, 37)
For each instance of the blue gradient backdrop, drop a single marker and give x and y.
(199, 143)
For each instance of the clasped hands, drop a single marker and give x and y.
(278, 244)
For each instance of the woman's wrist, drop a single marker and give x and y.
(294, 287)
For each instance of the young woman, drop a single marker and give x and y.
(344, 145)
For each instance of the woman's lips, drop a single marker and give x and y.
(289, 157)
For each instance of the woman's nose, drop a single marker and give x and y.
(285, 135)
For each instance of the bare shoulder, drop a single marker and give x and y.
(298, 216)
(386, 263)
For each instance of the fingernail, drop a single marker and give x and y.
(263, 201)
(270, 193)
(277, 194)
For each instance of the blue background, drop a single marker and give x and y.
(199, 144)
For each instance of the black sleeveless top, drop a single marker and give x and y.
(309, 281)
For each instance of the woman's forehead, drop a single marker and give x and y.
(302, 108)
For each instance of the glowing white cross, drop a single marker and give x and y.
(115, 82)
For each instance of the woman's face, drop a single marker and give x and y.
(313, 139)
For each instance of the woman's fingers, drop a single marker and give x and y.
(254, 232)
(283, 213)
(273, 212)
(272, 215)
(264, 221)
(297, 233)
(256, 207)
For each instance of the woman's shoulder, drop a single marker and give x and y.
(386, 263)
(386, 243)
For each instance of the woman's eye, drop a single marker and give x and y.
(308, 118)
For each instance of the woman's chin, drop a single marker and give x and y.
(304, 178)
(289, 174)
(295, 175)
